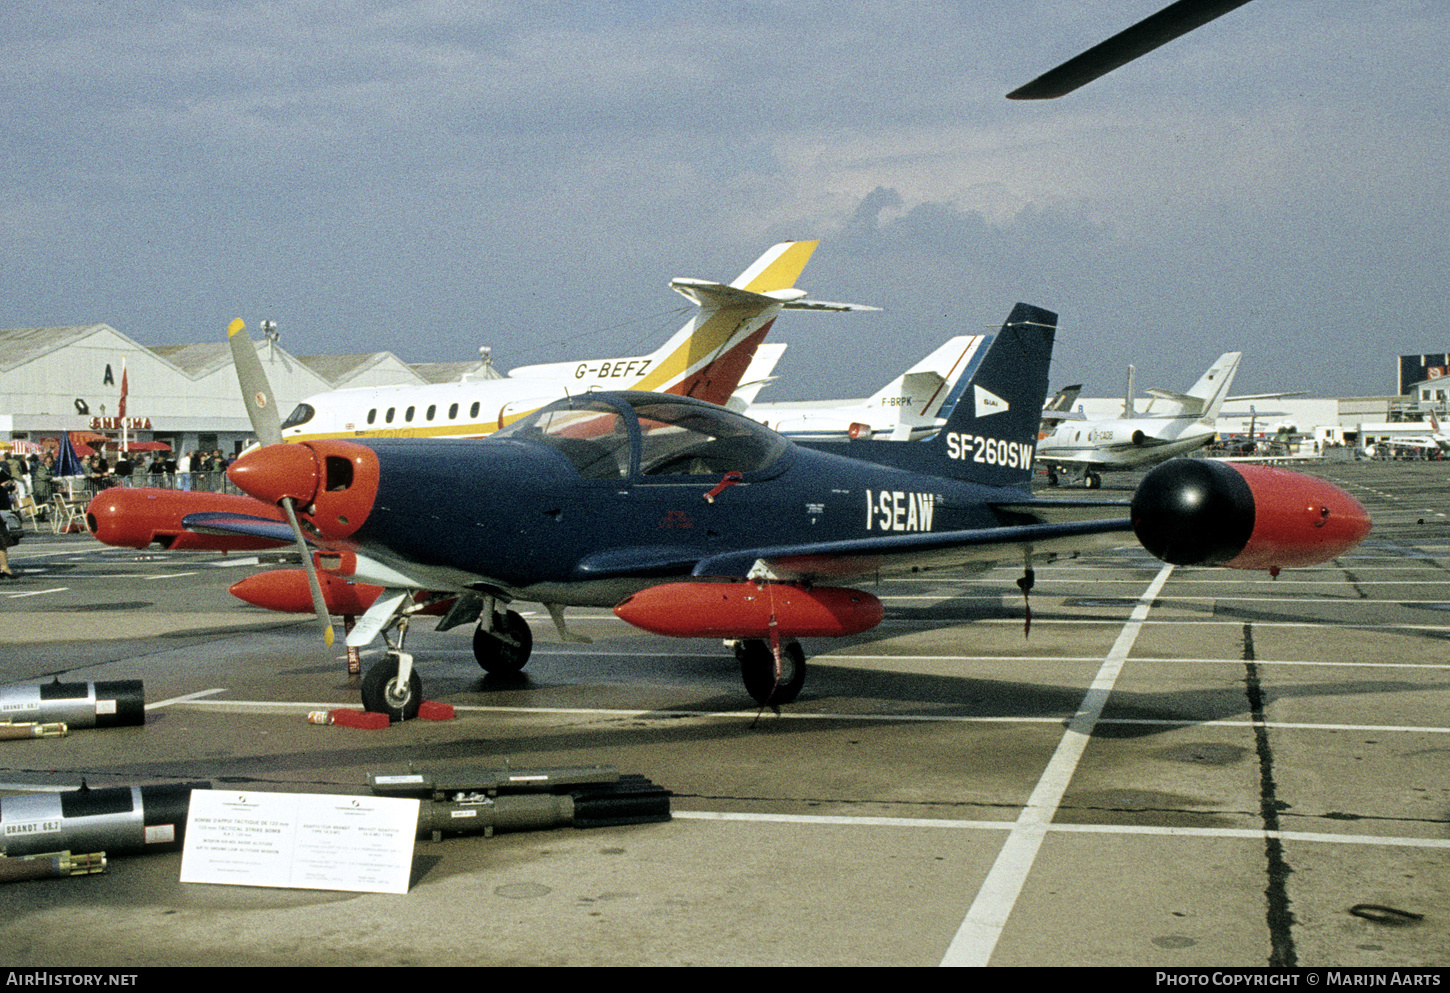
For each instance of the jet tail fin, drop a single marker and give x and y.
(709, 356)
(990, 436)
(767, 356)
(930, 388)
(1204, 399)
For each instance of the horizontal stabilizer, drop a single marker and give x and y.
(707, 294)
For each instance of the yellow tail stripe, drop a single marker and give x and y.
(782, 273)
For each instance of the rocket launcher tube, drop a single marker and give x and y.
(123, 820)
(119, 703)
(440, 782)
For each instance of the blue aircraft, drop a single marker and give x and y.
(693, 521)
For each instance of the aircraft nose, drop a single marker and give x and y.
(334, 483)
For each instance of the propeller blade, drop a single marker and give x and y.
(1172, 21)
(267, 423)
(319, 603)
(256, 390)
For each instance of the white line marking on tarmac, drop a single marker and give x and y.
(977, 937)
(1252, 834)
(17, 596)
(185, 699)
(958, 825)
(291, 706)
(1154, 660)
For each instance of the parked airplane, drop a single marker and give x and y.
(1134, 440)
(913, 405)
(1432, 445)
(1059, 409)
(707, 358)
(692, 521)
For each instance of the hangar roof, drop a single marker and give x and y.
(21, 345)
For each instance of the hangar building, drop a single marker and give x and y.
(72, 379)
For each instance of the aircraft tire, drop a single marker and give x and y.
(380, 691)
(498, 656)
(757, 670)
(1092, 481)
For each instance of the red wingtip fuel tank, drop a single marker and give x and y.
(746, 610)
(333, 482)
(139, 517)
(1244, 516)
(286, 590)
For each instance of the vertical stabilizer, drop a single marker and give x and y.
(991, 435)
(1213, 385)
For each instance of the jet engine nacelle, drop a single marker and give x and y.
(139, 517)
(1202, 512)
(751, 610)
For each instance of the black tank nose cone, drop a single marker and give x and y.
(1193, 512)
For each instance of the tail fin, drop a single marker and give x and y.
(990, 436)
(930, 388)
(767, 356)
(1206, 396)
(708, 357)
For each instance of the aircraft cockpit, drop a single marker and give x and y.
(652, 436)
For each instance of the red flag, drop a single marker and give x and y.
(121, 408)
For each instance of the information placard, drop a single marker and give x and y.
(300, 840)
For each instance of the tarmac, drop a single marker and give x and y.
(1175, 768)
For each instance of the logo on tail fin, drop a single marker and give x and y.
(988, 403)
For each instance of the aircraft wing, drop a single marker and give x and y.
(221, 522)
(907, 552)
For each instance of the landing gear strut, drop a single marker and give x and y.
(757, 669)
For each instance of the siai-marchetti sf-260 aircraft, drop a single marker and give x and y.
(706, 358)
(693, 521)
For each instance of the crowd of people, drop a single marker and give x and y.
(195, 470)
(36, 476)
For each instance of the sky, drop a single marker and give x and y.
(429, 177)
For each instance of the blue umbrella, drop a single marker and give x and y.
(68, 463)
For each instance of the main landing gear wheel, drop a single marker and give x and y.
(496, 655)
(383, 694)
(757, 669)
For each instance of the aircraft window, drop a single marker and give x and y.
(453, 411)
(432, 409)
(372, 415)
(389, 417)
(691, 440)
(408, 415)
(473, 411)
(594, 436)
(301, 414)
